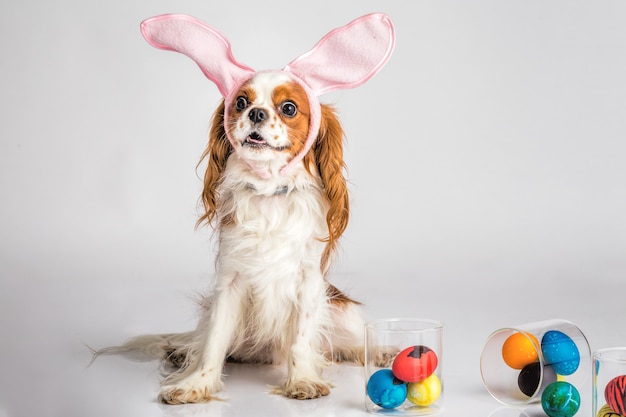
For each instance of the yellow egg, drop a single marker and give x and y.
(424, 392)
(607, 411)
(520, 349)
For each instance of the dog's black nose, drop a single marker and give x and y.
(257, 115)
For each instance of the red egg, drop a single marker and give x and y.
(615, 394)
(415, 364)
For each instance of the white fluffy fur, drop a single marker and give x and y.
(271, 302)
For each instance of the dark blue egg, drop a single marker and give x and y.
(560, 351)
(531, 374)
(385, 390)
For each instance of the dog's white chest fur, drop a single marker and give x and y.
(270, 245)
(269, 222)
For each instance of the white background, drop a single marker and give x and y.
(486, 167)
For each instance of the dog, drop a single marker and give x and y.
(276, 195)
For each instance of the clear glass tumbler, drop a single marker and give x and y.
(609, 382)
(518, 364)
(403, 366)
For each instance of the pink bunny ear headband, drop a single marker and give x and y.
(345, 58)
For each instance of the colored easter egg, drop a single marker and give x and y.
(615, 394)
(385, 390)
(560, 399)
(530, 377)
(520, 349)
(425, 392)
(415, 364)
(606, 411)
(560, 351)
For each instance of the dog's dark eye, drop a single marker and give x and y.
(288, 108)
(241, 103)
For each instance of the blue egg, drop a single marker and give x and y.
(385, 390)
(560, 351)
(560, 399)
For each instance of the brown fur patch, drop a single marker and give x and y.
(298, 126)
(338, 298)
(217, 152)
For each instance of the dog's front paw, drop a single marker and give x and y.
(172, 394)
(193, 389)
(304, 390)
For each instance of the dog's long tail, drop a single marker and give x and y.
(164, 347)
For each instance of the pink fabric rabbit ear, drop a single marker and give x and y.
(200, 42)
(347, 56)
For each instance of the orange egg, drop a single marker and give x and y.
(520, 349)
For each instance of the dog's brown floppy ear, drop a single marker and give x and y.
(328, 150)
(216, 154)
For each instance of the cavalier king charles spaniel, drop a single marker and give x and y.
(275, 193)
